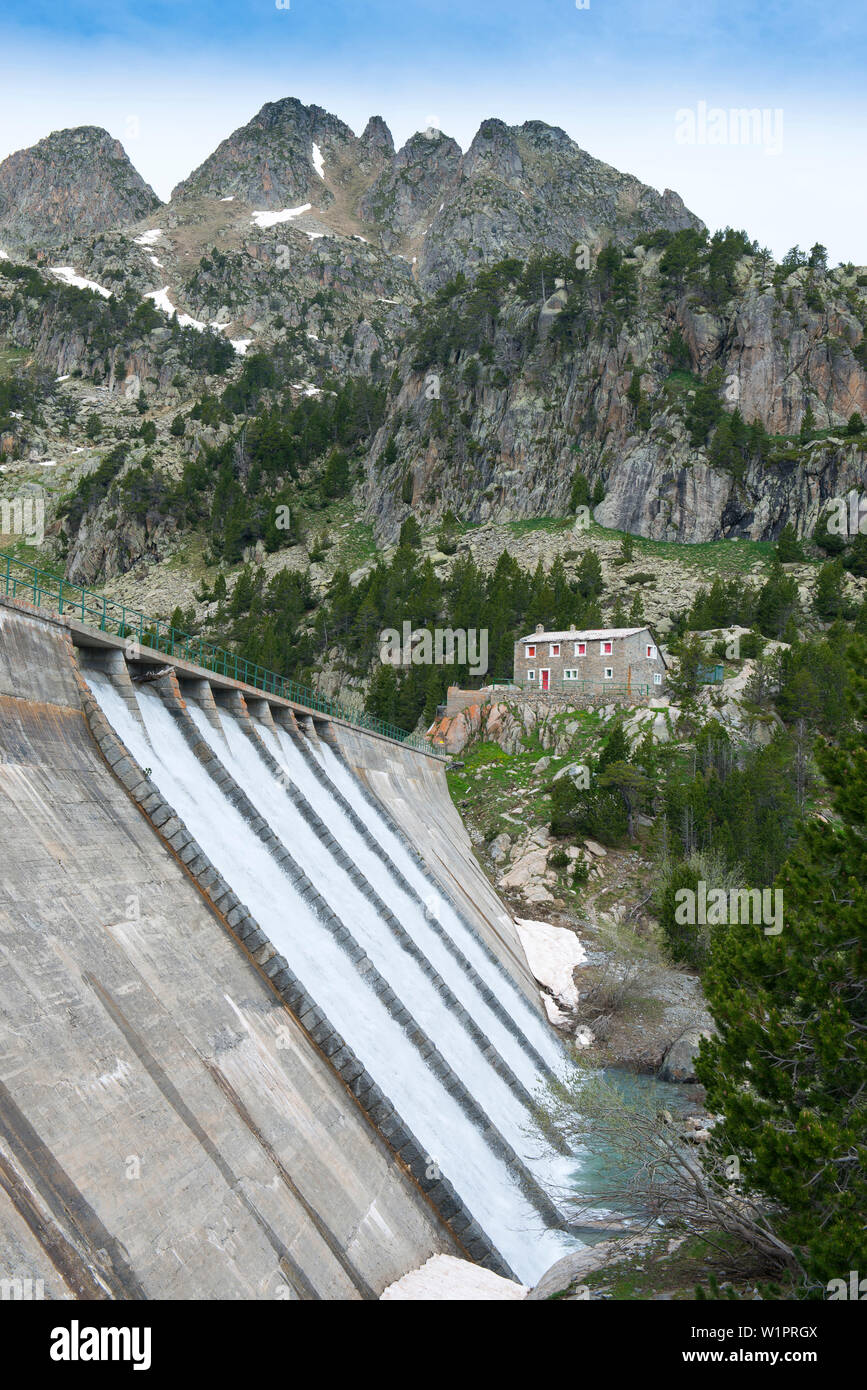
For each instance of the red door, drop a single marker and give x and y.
(546, 676)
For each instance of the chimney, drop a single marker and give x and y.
(540, 627)
(572, 627)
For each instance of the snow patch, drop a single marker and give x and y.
(230, 199)
(240, 345)
(552, 954)
(445, 1278)
(318, 161)
(148, 238)
(69, 277)
(270, 219)
(62, 378)
(4, 255)
(162, 301)
(153, 260)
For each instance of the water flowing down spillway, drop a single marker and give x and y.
(457, 1143)
(514, 1045)
(530, 1023)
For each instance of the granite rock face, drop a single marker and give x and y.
(76, 182)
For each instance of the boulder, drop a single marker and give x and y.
(499, 847)
(678, 1064)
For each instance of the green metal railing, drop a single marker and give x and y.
(44, 590)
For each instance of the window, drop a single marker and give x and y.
(609, 673)
(571, 675)
(651, 652)
(580, 648)
(554, 649)
(657, 678)
(531, 675)
(531, 651)
(605, 648)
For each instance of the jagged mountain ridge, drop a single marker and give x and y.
(514, 189)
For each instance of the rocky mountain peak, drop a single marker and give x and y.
(286, 155)
(377, 136)
(76, 182)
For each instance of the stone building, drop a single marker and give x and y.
(590, 661)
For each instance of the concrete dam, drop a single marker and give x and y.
(266, 1030)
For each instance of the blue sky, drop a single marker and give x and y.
(171, 78)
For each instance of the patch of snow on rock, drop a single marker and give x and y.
(552, 954)
(67, 274)
(445, 1278)
(162, 301)
(148, 238)
(318, 161)
(270, 219)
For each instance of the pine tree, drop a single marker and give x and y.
(786, 1069)
(829, 598)
(788, 547)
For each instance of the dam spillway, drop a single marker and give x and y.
(315, 1049)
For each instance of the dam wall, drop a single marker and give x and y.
(168, 1128)
(265, 1030)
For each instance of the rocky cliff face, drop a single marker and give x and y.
(498, 428)
(73, 183)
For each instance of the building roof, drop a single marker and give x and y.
(601, 634)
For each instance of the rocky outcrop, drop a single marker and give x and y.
(404, 200)
(531, 187)
(74, 183)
